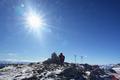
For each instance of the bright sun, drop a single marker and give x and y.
(34, 21)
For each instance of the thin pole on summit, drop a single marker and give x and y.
(81, 57)
(75, 58)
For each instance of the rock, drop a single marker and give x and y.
(53, 60)
(112, 71)
(72, 72)
(31, 78)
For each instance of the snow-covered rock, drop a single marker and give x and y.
(13, 72)
(41, 71)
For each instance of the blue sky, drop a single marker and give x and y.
(75, 27)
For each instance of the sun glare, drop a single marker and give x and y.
(34, 21)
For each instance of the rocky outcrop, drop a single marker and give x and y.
(53, 71)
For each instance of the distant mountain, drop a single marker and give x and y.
(13, 62)
(5, 63)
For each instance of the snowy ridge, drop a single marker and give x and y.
(40, 71)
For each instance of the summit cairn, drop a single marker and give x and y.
(55, 59)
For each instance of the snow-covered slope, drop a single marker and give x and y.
(117, 69)
(40, 71)
(12, 72)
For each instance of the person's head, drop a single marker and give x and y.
(61, 53)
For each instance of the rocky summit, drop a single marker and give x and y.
(68, 71)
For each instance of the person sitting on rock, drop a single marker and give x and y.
(61, 58)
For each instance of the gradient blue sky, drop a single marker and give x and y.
(75, 27)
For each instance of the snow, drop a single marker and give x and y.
(48, 73)
(117, 69)
(87, 72)
(12, 72)
(45, 72)
(24, 71)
